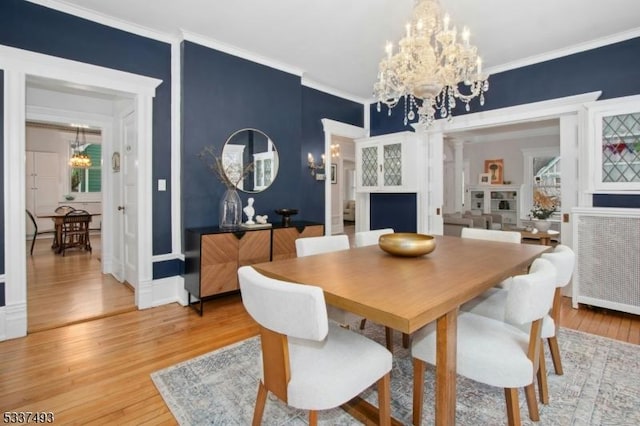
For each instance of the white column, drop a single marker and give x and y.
(458, 170)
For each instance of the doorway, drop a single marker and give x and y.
(67, 289)
(20, 67)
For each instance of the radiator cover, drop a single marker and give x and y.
(607, 243)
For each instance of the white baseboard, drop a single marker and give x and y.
(13, 321)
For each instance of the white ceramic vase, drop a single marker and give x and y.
(541, 225)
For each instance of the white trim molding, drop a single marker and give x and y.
(241, 53)
(104, 20)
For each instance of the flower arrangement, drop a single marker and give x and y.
(543, 205)
(228, 172)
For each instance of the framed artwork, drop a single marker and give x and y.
(115, 162)
(334, 173)
(496, 169)
(484, 179)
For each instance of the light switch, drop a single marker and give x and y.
(162, 184)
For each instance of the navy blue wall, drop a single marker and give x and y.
(317, 105)
(32, 27)
(612, 69)
(397, 211)
(222, 93)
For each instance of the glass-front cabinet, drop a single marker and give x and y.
(386, 163)
(615, 132)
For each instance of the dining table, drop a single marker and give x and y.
(407, 293)
(58, 219)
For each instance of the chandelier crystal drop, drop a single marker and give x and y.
(431, 69)
(79, 160)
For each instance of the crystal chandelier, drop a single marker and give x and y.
(79, 160)
(431, 69)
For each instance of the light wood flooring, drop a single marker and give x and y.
(98, 372)
(65, 290)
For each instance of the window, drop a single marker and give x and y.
(88, 180)
(542, 172)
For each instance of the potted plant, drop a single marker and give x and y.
(543, 207)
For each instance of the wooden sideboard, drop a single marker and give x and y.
(213, 256)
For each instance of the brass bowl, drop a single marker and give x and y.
(407, 244)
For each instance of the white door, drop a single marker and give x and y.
(129, 208)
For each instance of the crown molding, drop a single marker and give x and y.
(571, 50)
(241, 53)
(308, 82)
(103, 19)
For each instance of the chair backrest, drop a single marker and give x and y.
(564, 259)
(492, 235)
(370, 238)
(64, 209)
(317, 245)
(77, 217)
(295, 310)
(530, 296)
(33, 219)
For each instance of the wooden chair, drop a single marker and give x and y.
(308, 362)
(64, 209)
(35, 230)
(492, 304)
(495, 352)
(75, 231)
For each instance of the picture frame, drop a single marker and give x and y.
(495, 168)
(115, 162)
(484, 179)
(334, 173)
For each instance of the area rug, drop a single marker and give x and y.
(600, 386)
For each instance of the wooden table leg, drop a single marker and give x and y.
(446, 335)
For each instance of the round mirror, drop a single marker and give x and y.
(244, 148)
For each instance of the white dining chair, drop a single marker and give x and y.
(308, 362)
(370, 238)
(491, 235)
(492, 304)
(325, 244)
(496, 352)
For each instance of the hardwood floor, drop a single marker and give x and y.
(65, 290)
(98, 371)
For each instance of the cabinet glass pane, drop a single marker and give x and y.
(370, 166)
(392, 155)
(621, 148)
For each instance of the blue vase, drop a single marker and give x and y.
(230, 210)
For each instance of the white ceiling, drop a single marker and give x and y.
(337, 44)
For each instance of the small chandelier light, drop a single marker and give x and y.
(79, 160)
(430, 66)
